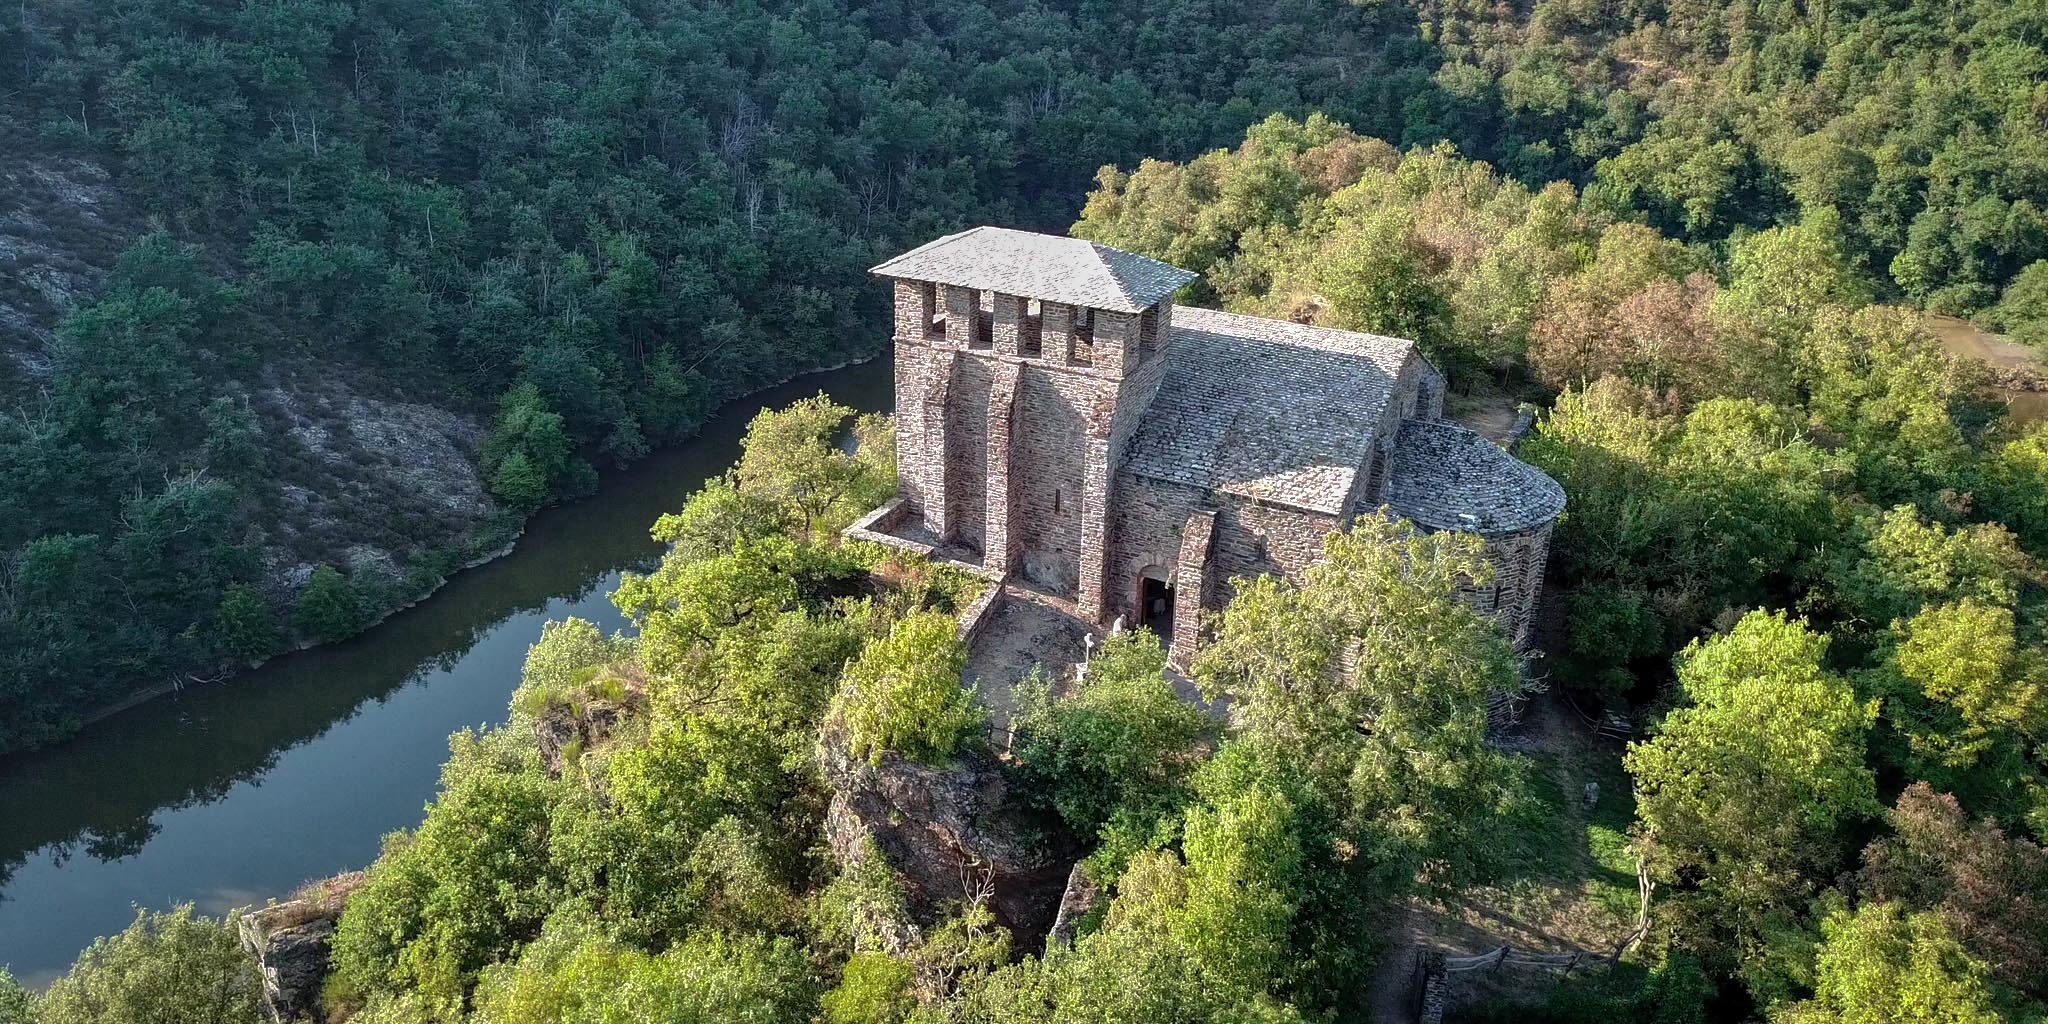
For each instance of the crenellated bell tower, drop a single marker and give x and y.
(1024, 365)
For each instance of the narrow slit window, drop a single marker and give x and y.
(1030, 328)
(1084, 336)
(984, 320)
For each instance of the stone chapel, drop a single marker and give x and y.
(1062, 426)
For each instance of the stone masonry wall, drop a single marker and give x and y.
(1048, 451)
(1134, 400)
(999, 547)
(1193, 579)
(1249, 539)
(973, 367)
(995, 405)
(967, 449)
(1518, 562)
(915, 455)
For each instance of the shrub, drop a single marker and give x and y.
(903, 693)
(171, 967)
(1113, 756)
(329, 607)
(875, 989)
(248, 629)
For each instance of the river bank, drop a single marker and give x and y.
(377, 618)
(227, 794)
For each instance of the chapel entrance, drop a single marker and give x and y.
(1155, 606)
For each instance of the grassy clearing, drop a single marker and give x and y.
(1572, 884)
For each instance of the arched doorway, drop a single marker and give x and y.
(1155, 602)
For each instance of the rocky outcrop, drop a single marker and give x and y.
(62, 223)
(951, 832)
(1081, 896)
(365, 479)
(290, 942)
(562, 730)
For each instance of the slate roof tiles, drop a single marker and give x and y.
(1445, 477)
(1070, 270)
(1267, 408)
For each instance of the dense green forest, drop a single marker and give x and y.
(1803, 551)
(584, 223)
(1803, 540)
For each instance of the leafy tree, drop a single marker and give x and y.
(1782, 278)
(569, 978)
(1905, 563)
(1374, 677)
(1674, 520)
(2016, 486)
(17, 1004)
(684, 605)
(903, 693)
(791, 456)
(1877, 380)
(874, 988)
(2022, 310)
(1139, 965)
(529, 456)
(1744, 792)
(173, 966)
(1377, 281)
(1882, 964)
(1113, 754)
(1968, 657)
(248, 628)
(329, 607)
(520, 483)
(717, 518)
(467, 889)
(567, 654)
(1986, 886)
(1605, 318)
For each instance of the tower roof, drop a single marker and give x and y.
(1074, 271)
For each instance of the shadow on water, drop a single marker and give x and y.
(224, 795)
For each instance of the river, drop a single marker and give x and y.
(224, 795)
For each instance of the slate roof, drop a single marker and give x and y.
(1445, 477)
(1069, 270)
(1266, 408)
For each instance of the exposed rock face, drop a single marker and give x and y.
(1081, 896)
(365, 481)
(559, 727)
(290, 943)
(61, 224)
(951, 833)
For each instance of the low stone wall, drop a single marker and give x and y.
(1431, 994)
(979, 611)
(875, 527)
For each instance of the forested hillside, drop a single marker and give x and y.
(1803, 547)
(1802, 557)
(354, 286)
(303, 246)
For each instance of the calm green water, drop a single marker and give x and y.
(225, 795)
